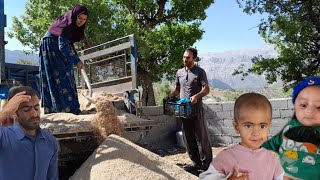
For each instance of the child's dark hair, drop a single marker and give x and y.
(194, 51)
(17, 89)
(252, 100)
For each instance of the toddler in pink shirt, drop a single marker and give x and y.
(248, 160)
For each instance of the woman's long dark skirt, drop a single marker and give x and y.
(57, 83)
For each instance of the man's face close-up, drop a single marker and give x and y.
(188, 59)
(28, 114)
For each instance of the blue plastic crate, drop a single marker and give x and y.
(181, 109)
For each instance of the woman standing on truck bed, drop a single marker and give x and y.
(56, 61)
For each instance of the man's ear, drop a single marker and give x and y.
(235, 126)
(15, 116)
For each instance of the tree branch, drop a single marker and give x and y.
(311, 15)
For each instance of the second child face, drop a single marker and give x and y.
(253, 126)
(307, 106)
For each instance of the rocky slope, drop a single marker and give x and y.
(220, 66)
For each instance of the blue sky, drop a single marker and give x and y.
(226, 27)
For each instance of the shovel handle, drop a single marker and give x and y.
(86, 80)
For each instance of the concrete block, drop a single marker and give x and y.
(235, 139)
(165, 118)
(228, 123)
(210, 121)
(276, 113)
(216, 140)
(275, 130)
(215, 123)
(219, 123)
(290, 104)
(205, 107)
(152, 110)
(224, 114)
(154, 118)
(214, 107)
(286, 113)
(227, 131)
(213, 130)
(168, 123)
(208, 115)
(228, 106)
(279, 103)
(141, 137)
(162, 132)
(226, 139)
(160, 110)
(278, 122)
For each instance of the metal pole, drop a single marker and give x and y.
(2, 42)
(133, 59)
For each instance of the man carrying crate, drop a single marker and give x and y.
(191, 82)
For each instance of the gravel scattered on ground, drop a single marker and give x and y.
(178, 156)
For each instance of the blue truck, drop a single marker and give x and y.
(14, 74)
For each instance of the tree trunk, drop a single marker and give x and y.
(148, 98)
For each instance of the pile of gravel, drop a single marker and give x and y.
(118, 158)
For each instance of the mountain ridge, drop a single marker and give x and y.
(221, 65)
(15, 55)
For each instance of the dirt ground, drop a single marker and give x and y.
(179, 156)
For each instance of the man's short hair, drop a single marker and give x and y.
(250, 100)
(17, 89)
(194, 51)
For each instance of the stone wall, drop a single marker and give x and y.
(219, 116)
(162, 131)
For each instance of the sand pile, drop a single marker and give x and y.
(117, 158)
(61, 123)
(102, 119)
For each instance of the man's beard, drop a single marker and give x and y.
(26, 124)
(187, 64)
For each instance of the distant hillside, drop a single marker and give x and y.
(220, 66)
(14, 56)
(216, 83)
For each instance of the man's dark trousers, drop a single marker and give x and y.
(195, 133)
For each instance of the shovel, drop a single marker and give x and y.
(84, 74)
(86, 80)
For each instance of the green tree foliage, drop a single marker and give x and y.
(164, 28)
(162, 90)
(293, 26)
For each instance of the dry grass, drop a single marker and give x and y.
(105, 121)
